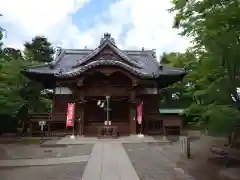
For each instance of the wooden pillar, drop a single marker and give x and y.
(81, 122)
(132, 114)
(53, 101)
(80, 113)
(30, 128)
(49, 127)
(146, 122)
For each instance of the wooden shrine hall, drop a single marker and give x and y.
(87, 76)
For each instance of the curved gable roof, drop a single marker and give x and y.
(72, 62)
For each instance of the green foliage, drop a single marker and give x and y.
(10, 85)
(18, 94)
(214, 72)
(39, 50)
(176, 96)
(11, 53)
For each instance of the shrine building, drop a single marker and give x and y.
(87, 76)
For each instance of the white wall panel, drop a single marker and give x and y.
(62, 90)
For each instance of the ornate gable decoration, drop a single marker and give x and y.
(107, 36)
(107, 51)
(107, 54)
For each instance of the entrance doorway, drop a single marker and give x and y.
(119, 115)
(94, 115)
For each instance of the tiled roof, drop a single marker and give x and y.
(71, 62)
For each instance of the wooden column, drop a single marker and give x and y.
(80, 113)
(146, 122)
(132, 114)
(81, 123)
(30, 128)
(49, 127)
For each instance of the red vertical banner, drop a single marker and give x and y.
(70, 115)
(140, 112)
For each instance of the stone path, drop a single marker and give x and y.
(41, 162)
(123, 139)
(110, 162)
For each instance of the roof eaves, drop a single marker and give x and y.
(32, 66)
(82, 69)
(171, 111)
(78, 51)
(171, 71)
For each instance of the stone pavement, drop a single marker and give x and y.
(41, 162)
(34, 151)
(71, 171)
(109, 161)
(122, 139)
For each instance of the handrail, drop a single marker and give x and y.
(47, 116)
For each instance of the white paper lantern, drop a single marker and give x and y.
(99, 103)
(102, 105)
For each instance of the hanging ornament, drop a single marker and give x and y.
(102, 105)
(99, 103)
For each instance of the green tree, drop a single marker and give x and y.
(39, 49)
(10, 85)
(18, 93)
(11, 82)
(214, 27)
(12, 53)
(177, 96)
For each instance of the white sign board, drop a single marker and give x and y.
(42, 123)
(62, 90)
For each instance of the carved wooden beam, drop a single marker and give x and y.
(79, 82)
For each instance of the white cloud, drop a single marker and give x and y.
(26, 18)
(151, 24)
(152, 27)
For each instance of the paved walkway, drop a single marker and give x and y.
(109, 161)
(122, 139)
(42, 162)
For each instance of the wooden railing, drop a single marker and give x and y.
(58, 116)
(51, 133)
(48, 116)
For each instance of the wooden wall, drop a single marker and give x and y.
(60, 103)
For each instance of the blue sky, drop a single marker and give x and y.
(86, 17)
(78, 23)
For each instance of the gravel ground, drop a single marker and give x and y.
(16, 151)
(72, 171)
(150, 164)
(202, 165)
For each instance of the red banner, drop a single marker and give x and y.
(70, 115)
(140, 111)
